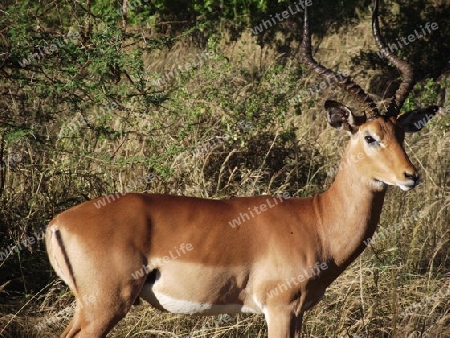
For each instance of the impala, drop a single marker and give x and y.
(278, 262)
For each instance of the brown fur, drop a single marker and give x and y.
(100, 248)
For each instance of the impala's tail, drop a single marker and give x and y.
(57, 254)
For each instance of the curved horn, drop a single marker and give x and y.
(343, 81)
(398, 99)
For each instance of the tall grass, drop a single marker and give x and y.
(226, 129)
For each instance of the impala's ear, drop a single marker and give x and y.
(341, 117)
(415, 120)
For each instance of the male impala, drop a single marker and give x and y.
(192, 261)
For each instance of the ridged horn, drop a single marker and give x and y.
(406, 70)
(345, 82)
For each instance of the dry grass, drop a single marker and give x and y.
(398, 288)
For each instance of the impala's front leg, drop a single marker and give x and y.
(282, 323)
(298, 325)
(284, 314)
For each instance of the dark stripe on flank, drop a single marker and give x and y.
(66, 257)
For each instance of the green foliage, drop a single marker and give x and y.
(89, 119)
(424, 94)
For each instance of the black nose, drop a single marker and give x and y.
(413, 177)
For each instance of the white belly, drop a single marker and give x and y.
(190, 289)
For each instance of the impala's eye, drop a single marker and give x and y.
(369, 139)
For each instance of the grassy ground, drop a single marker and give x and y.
(228, 127)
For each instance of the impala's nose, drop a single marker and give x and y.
(413, 177)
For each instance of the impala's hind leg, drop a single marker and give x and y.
(104, 296)
(97, 313)
(73, 328)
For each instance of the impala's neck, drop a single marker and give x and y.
(350, 210)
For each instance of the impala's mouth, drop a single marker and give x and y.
(405, 186)
(409, 185)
